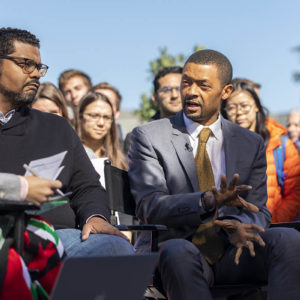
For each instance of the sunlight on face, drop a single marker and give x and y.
(96, 121)
(241, 109)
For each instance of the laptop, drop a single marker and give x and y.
(104, 278)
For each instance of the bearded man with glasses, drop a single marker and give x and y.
(27, 134)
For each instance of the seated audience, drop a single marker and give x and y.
(293, 128)
(29, 135)
(217, 233)
(244, 108)
(97, 129)
(50, 99)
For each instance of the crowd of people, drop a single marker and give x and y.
(210, 164)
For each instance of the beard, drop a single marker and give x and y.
(19, 98)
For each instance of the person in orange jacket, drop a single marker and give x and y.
(245, 109)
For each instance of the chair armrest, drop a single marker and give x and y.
(14, 205)
(295, 225)
(17, 208)
(143, 227)
(146, 227)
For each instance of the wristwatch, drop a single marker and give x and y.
(208, 202)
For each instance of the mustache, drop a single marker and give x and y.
(192, 98)
(36, 82)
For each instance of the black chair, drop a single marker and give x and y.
(120, 198)
(17, 210)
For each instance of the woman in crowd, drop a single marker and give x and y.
(50, 99)
(97, 129)
(283, 183)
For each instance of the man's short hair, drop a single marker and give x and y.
(65, 76)
(163, 72)
(107, 86)
(9, 35)
(212, 57)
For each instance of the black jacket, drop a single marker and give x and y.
(30, 135)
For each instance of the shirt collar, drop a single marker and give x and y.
(194, 128)
(7, 117)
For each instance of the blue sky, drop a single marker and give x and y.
(114, 40)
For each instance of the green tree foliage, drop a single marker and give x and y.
(165, 59)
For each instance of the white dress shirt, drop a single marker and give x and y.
(214, 145)
(7, 117)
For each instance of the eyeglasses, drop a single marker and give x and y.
(233, 109)
(28, 65)
(96, 117)
(168, 89)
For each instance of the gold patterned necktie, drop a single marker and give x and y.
(206, 237)
(204, 169)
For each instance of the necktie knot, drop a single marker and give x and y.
(204, 135)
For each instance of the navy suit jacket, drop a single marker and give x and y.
(164, 180)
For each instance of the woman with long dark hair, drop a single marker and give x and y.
(244, 108)
(97, 129)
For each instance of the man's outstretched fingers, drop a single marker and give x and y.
(254, 227)
(256, 238)
(247, 205)
(223, 184)
(251, 248)
(243, 187)
(238, 254)
(233, 181)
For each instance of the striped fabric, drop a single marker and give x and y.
(43, 253)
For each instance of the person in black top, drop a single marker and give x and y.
(27, 134)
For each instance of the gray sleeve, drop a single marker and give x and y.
(9, 186)
(154, 203)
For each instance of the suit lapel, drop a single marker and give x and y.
(230, 148)
(180, 139)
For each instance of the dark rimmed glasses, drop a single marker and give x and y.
(27, 65)
(233, 109)
(96, 117)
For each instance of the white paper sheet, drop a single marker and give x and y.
(48, 167)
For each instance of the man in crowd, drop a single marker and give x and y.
(166, 95)
(167, 92)
(293, 127)
(217, 233)
(74, 84)
(27, 135)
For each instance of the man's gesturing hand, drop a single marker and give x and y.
(242, 235)
(99, 225)
(230, 195)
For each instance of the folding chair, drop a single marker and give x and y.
(121, 199)
(17, 210)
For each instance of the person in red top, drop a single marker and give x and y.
(245, 109)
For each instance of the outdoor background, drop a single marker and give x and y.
(114, 41)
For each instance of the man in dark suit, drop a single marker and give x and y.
(171, 187)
